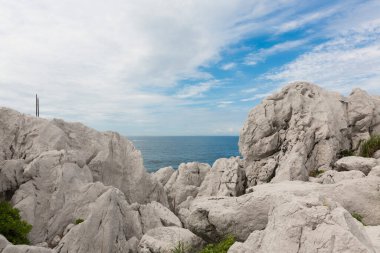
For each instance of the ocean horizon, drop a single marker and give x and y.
(163, 151)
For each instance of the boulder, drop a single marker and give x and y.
(212, 218)
(163, 175)
(111, 158)
(362, 164)
(307, 224)
(185, 182)
(7, 247)
(226, 178)
(373, 233)
(333, 176)
(376, 155)
(375, 171)
(302, 129)
(165, 239)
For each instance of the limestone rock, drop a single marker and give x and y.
(164, 239)
(226, 178)
(7, 247)
(302, 129)
(11, 177)
(185, 182)
(111, 158)
(215, 217)
(376, 155)
(163, 175)
(333, 176)
(307, 224)
(356, 163)
(373, 233)
(375, 171)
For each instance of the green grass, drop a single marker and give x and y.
(370, 146)
(345, 152)
(358, 217)
(315, 173)
(11, 225)
(78, 221)
(180, 248)
(221, 247)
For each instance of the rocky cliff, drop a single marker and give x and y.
(271, 200)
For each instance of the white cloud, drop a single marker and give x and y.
(256, 97)
(228, 66)
(251, 90)
(262, 54)
(196, 90)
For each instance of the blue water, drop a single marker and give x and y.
(160, 151)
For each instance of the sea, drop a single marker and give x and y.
(162, 151)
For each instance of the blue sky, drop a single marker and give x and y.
(166, 67)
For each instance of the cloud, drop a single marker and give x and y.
(196, 90)
(262, 54)
(228, 66)
(256, 97)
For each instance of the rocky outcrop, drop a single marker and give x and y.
(213, 218)
(307, 224)
(7, 247)
(166, 239)
(333, 176)
(362, 164)
(185, 182)
(111, 158)
(163, 175)
(302, 129)
(226, 178)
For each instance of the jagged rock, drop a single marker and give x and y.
(7, 247)
(164, 239)
(55, 241)
(375, 171)
(185, 182)
(163, 175)
(215, 217)
(307, 224)
(373, 233)
(356, 163)
(302, 129)
(11, 176)
(111, 158)
(333, 176)
(226, 178)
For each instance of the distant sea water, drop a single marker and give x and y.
(162, 151)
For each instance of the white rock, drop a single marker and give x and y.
(373, 233)
(333, 176)
(7, 247)
(185, 182)
(226, 178)
(307, 224)
(356, 163)
(376, 155)
(375, 171)
(165, 239)
(55, 241)
(302, 129)
(163, 175)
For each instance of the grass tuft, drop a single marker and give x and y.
(358, 217)
(78, 221)
(370, 146)
(221, 247)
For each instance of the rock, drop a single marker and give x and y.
(375, 172)
(307, 224)
(11, 177)
(55, 241)
(111, 158)
(373, 233)
(156, 215)
(333, 176)
(302, 129)
(7, 247)
(213, 218)
(185, 182)
(356, 163)
(67, 229)
(163, 174)
(226, 178)
(376, 155)
(165, 239)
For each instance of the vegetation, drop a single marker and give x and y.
(315, 173)
(221, 247)
(11, 225)
(370, 146)
(345, 152)
(78, 221)
(358, 217)
(180, 248)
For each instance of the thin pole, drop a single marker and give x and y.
(38, 111)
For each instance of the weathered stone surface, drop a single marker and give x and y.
(373, 233)
(163, 175)
(185, 182)
(226, 178)
(356, 163)
(214, 217)
(302, 129)
(164, 239)
(307, 224)
(375, 171)
(376, 155)
(7, 247)
(111, 158)
(11, 177)
(333, 176)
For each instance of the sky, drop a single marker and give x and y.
(179, 67)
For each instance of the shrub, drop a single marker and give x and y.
(370, 146)
(78, 221)
(180, 248)
(358, 217)
(221, 247)
(345, 152)
(11, 225)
